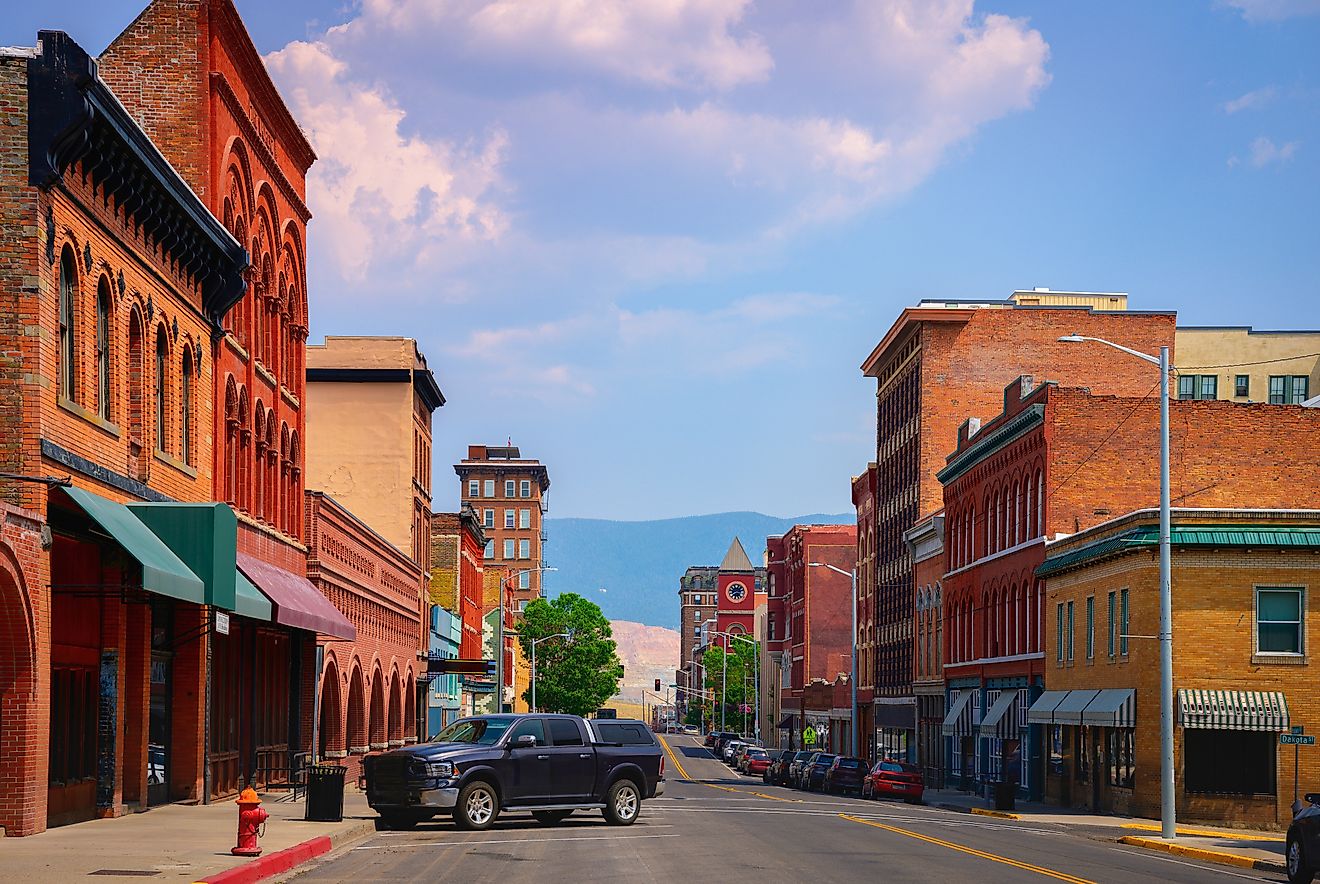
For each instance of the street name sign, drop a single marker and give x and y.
(1296, 740)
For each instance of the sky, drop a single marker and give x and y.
(651, 242)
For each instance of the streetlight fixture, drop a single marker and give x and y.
(499, 662)
(535, 642)
(852, 679)
(1168, 827)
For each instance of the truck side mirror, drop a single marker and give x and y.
(526, 741)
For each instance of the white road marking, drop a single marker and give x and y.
(570, 827)
(512, 841)
(1165, 859)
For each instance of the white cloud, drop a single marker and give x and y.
(1265, 152)
(1251, 100)
(377, 192)
(1274, 10)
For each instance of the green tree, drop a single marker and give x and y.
(733, 685)
(576, 674)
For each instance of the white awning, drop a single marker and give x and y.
(1113, 707)
(1042, 711)
(1233, 710)
(1001, 719)
(958, 723)
(1069, 710)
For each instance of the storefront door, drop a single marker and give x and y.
(158, 732)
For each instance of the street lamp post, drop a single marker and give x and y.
(535, 642)
(499, 651)
(1168, 812)
(756, 675)
(852, 679)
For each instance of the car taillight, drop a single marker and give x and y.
(662, 767)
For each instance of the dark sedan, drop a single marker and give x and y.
(777, 773)
(845, 775)
(795, 768)
(813, 774)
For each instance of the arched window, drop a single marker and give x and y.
(258, 506)
(185, 407)
(68, 296)
(103, 349)
(1030, 501)
(1040, 502)
(231, 442)
(1017, 513)
(162, 385)
(137, 388)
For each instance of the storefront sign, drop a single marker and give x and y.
(222, 622)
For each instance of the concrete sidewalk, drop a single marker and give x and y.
(1243, 848)
(173, 842)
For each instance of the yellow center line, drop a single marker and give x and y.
(1040, 870)
(674, 758)
(777, 798)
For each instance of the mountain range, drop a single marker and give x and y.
(631, 569)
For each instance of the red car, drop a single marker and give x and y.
(755, 762)
(894, 779)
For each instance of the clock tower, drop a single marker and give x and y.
(736, 605)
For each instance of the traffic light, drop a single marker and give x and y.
(657, 685)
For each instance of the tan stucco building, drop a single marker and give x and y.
(1243, 364)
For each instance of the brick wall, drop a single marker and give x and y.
(24, 672)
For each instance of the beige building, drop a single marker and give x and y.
(1243, 364)
(369, 406)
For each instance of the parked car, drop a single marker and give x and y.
(813, 773)
(691, 730)
(776, 772)
(795, 768)
(894, 779)
(755, 761)
(717, 739)
(730, 747)
(546, 765)
(1303, 850)
(845, 775)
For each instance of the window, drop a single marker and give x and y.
(529, 727)
(1194, 386)
(1058, 644)
(696, 616)
(508, 548)
(490, 549)
(1122, 756)
(474, 488)
(509, 516)
(521, 606)
(1233, 762)
(68, 292)
(1289, 389)
(162, 370)
(1209, 386)
(488, 488)
(565, 732)
(524, 518)
(524, 549)
(1279, 621)
(1090, 627)
(488, 519)
(185, 407)
(525, 488)
(508, 488)
(103, 349)
(1069, 636)
(627, 734)
(525, 580)
(1123, 622)
(696, 630)
(1242, 385)
(1113, 627)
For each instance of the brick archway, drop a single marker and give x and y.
(376, 721)
(23, 739)
(410, 707)
(356, 724)
(330, 736)
(395, 711)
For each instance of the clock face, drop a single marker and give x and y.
(736, 592)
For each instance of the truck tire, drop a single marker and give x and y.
(477, 807)
(551, 817)
(623, 803)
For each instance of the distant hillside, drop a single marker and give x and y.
(638, 564)
(647, 653)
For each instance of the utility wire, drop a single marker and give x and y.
(1246, 364)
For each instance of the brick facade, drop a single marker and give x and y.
(509, 495)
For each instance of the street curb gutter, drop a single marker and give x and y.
(273, 864)
(1214, 856)
(997, 814)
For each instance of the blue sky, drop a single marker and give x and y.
(653, 242)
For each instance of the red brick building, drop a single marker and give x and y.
(735, 592)
(368, 696)
(942, 361)
(864, 501)
(925, 542)
(809, 623)
(508, 492)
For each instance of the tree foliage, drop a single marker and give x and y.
(732, 685)
(574, 675)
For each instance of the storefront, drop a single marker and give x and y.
(1090, 760)
(895, 728)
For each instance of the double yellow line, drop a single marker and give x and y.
(678, 766)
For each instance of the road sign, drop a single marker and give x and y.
(1296, 740)
(809, 736)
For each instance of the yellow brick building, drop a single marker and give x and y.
(1245, 621)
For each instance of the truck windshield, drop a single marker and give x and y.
(481, 731)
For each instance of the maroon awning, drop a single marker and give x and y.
(298, 603)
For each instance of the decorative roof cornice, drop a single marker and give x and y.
(988, 442)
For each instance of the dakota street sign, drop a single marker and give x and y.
(1296, 740)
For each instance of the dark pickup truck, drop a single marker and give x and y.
(547, 765)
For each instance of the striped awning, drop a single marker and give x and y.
(1042, 711)
(1001, 719)
(1233, 710)
(1112, 707)
(958, 723)
(1069, 710)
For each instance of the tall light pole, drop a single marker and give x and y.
(499, 662)
(535, 642)
(1168, 812)
(852, 679)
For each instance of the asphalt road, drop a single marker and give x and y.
(712, 825)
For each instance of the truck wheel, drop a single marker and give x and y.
(551, 817)
(622, 803)
(1299, 871)
(477, 807)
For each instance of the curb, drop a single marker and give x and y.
(272, 864)
(1214, 856)
(997, 814)
(956, 808)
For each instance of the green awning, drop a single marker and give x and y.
(162, 571)
(203, 535)
(1214, 536)
(249, 601)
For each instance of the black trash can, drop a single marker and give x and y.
(1005, 796)
(325, 793)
